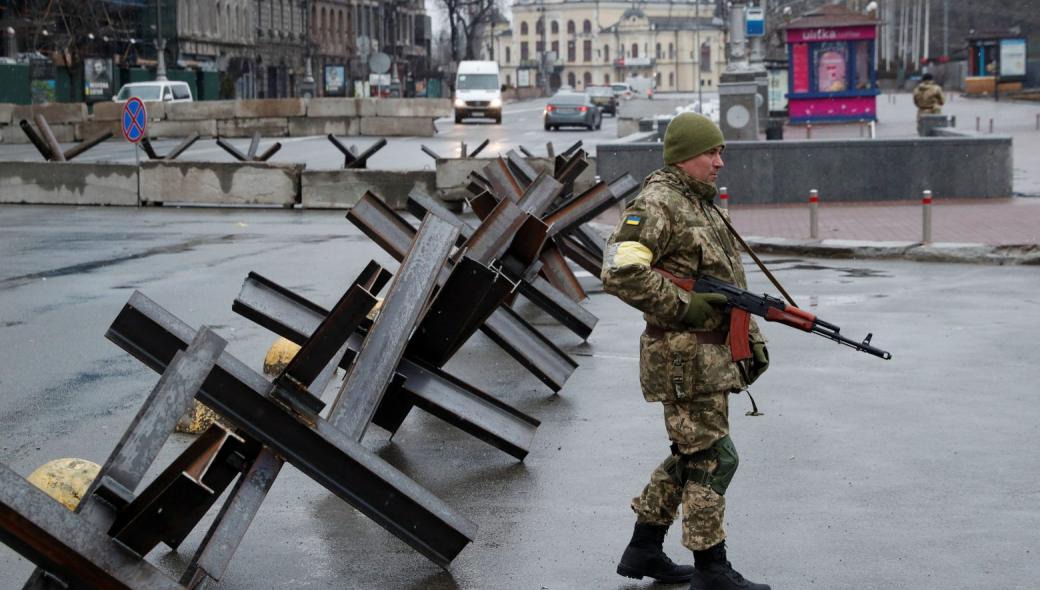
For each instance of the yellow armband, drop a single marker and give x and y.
(632, 253)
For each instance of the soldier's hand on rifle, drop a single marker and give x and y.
(759, 360)
(700, 308)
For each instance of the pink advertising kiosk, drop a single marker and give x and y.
(832, 69)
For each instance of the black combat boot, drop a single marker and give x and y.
(715, 573)
(645, 556)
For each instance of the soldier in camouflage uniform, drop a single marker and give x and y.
(928, 97)
(673, 230)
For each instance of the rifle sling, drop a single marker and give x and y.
(761, 265)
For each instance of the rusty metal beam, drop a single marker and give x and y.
(402, 311)
(430, 388)
(186, 143)
(227, 147)
(48, 136)
(503, 183)
(319, 450)
(66, 545)
(36, 140)
(361, 160)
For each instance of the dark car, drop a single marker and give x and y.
(575, 109)
(603, 97)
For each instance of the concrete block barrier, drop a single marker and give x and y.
(304, 126)
(414, 107)
(55, 112)
(198, 111)
(178, 129)
(6, 113)
(266, 109)
(842, 170)
(225, 183)
(268, 127)
(342, 189)
(398, 126)
(112, 111)
(332, 107)
(70, 183)
(88, 129)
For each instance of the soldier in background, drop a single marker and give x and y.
(673, 230)
(928, 97)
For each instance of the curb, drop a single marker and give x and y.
(963, 252)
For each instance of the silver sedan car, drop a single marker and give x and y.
(572, 108)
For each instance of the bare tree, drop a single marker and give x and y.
(467, 18)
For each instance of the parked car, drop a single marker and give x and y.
(166, 91)
(574, 109)
(603, 97)
(622, 91)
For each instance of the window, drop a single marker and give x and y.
(167, 94)
(181, 91)
(586, 27)
(606, 53)
(539, 26)
(635, 50)
(509, 56)
(606, 79)
(864, 66)
(570, 52)
(657, 51)
(671, 51)
(705, 57)
(587, 79)
(539, 47)
(555, 27)
(587, 50)
(509, 80)
(523, 27)
(570, 79)
(570, 27)
(556, 48)
(671, 80)
(830, 64)
(525, 54)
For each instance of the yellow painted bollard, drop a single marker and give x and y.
(279, 355)
(65, 480)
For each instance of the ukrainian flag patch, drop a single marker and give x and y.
(633, 220)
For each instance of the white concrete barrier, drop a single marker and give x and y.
(69, 183)
(342, 189)
(224, 183)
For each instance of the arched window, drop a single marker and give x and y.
(214, 25)
(635, 50)
(570, 27)
(523, 27)
(586, 27)
(705, 57)
(323, 25)
(587, 79)
(227, 19)
(606, 53)
(539, 26)
(235, 31)
(555, 27)
(570, 79)
(657, 51)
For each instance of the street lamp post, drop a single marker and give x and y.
(160, 44)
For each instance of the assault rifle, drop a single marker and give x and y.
(772, 309)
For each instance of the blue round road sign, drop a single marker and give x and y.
(135, 120)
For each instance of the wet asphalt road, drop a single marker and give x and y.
(919, 472)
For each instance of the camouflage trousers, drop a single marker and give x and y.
(693, 425)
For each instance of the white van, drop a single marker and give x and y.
(478, 91)
(166, 91)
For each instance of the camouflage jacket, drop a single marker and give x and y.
(673, 224)
(928, 98)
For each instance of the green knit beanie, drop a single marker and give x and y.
(689, 135)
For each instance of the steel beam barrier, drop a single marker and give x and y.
(319, 450)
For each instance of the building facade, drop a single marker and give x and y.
(551, 43)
